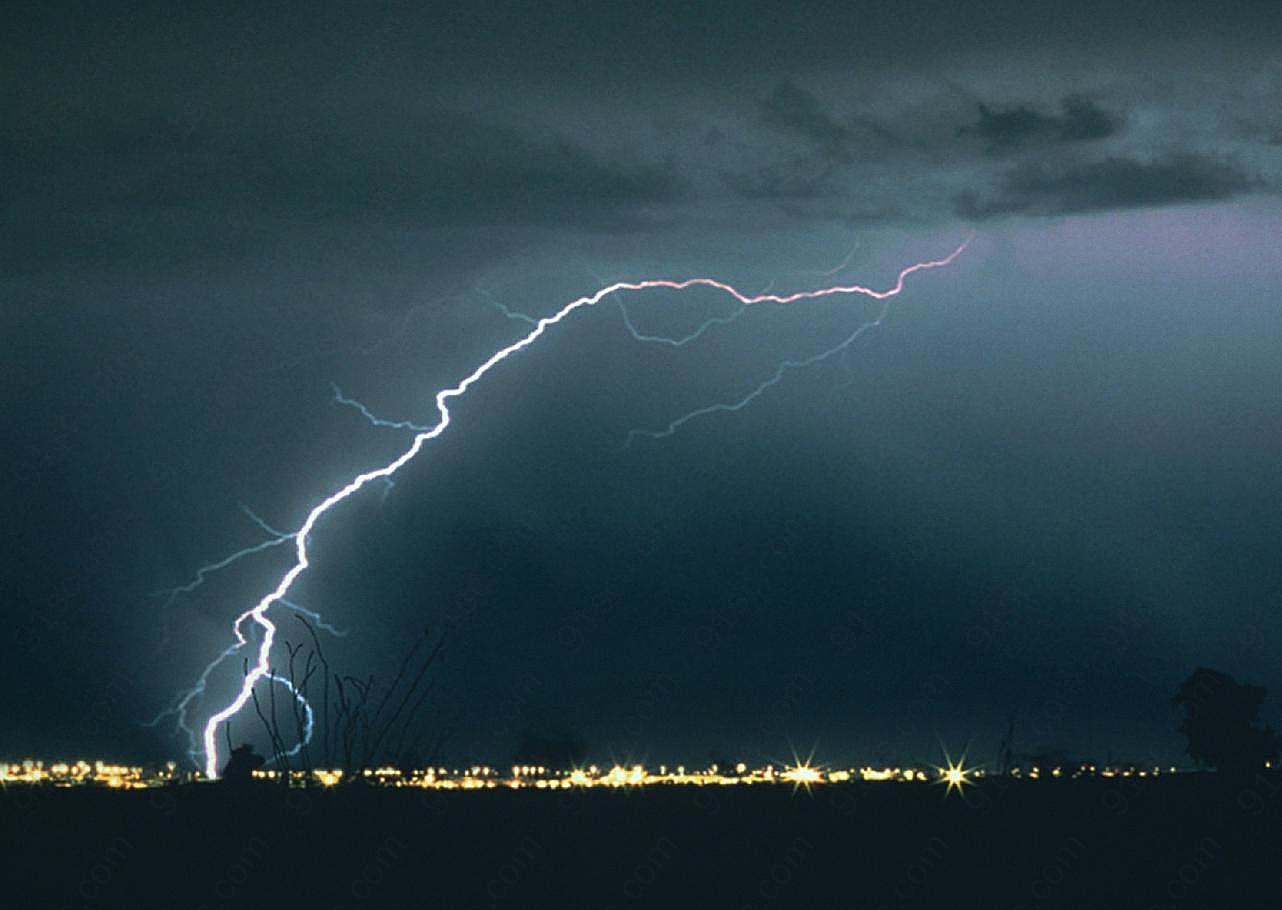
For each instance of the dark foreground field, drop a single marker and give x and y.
(1178, 842)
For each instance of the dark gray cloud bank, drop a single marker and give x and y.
(1045, 487)
(1111, 184)
(1079, 120)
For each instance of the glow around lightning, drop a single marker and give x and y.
(258, 613)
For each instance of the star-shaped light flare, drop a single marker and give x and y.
(955, 774)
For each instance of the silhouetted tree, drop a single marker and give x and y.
(1220, 722)
(241, 765)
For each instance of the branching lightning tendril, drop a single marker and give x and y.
(839, 267)
(277, 538)
(772, 380)
(314, 617)
(340, 398)
(180, 709)
(684, 339)
(258, 613)
(508, 311)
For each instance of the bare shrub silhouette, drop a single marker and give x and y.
(356, 724)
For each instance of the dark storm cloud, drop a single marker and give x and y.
(1080, 120)
(460, 170)
(442, 167)
(792, 110)
(800, 178)
(1112, 183)
(833, 149)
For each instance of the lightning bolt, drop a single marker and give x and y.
(258, 613)
(180, 709)
(388, 483)
(683, 340)
(791, 364)
(637, 334)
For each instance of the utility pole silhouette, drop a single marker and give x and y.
(1006, 752)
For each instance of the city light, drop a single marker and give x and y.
(954, 775)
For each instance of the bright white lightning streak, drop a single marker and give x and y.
(180, 708)
(258, 613)
(388, 483)
(699, 332)
(637, 334)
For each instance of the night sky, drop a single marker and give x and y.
(1046, 487)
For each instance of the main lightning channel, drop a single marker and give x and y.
(258, 613)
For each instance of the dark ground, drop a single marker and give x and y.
(1175, 842)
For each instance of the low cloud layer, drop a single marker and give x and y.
(1080, 119)
(87, 175)
(1109, 184)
